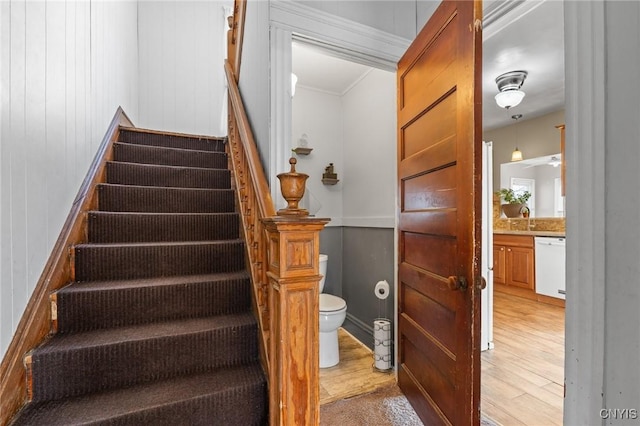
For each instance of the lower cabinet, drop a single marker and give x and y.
(514, 261)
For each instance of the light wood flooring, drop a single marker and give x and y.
(354, 374)
(522, 378)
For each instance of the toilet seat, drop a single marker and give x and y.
(331, 303)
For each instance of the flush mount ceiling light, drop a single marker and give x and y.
(509, 85)
(555, 161)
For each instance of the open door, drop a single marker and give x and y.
(439, 179)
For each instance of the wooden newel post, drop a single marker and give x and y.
(293, 239)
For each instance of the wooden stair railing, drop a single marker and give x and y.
(36, 320)
(283, 253)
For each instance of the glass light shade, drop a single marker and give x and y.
(294, 81)
(516, 155)
(509, 98)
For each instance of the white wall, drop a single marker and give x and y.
(65, 67)
(603, 237)
(254, 75)
(182, 50)
(320, 116)
(356, 131)
(370, 151)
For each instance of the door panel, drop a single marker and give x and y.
(439, 186)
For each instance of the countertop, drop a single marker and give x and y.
(532, 233)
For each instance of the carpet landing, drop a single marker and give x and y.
(158, 328)
(386, 406)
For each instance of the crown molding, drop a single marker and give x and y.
(345, 38)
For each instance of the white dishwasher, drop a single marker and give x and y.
(550, 266)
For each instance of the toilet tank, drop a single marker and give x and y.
(323, 270)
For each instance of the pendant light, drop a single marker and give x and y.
(516, 155)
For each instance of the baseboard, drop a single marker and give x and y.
(360, 330)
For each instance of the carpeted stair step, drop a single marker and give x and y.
(132, 153)
(129, 198)
(103, 262)
(230, 397)
(103, 304)
(171, 176)
(122, 227)
(82, 363)
(171, 140)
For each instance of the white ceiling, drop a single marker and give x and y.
(517, 36)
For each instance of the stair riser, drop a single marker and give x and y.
(130, 153)
(89, 310)
(170, 141)
(230, 397)
(246, 408)
(147, 175)
(122, 228)
(114, 262)
(90, 369)
(159, 200)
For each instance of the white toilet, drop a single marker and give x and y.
(333, 311)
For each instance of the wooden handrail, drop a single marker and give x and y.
(254, 203)
(283, 256)
(35, 323)
(235, 36)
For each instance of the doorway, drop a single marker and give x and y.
(343, 114)
(523, 376)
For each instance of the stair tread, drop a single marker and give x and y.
(164, 188)
(165, 166)
(160, 244)
(89, 286)
(170, 149)
(166, 214)
(133, 333)
(116, 403)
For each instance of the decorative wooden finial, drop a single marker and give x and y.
(292, 186)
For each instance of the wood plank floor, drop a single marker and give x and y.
(354, 374)
(523, 377)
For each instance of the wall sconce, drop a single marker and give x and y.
(509, 85)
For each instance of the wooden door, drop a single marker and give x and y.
(439, 179)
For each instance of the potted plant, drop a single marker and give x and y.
(514, 202)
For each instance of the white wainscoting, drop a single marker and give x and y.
(65, 67)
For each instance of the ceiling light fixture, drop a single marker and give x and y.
(509, 85)
(516, 155)
(555, 161)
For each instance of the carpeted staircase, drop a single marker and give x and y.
(158, 327)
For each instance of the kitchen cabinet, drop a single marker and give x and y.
(514, 263)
